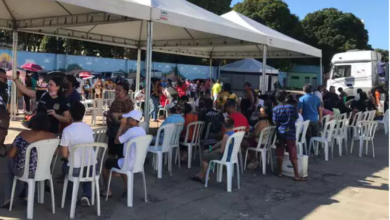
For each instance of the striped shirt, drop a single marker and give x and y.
(284, 117)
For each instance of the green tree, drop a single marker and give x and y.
(334, 31)
(52, 45)
(384, 53)
(272, 13)
(216, 6)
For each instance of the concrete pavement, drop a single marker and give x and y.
(346, 187)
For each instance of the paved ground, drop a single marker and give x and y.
(346, 187)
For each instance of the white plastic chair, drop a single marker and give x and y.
(352, 125)
(366, 132)
(193, 142)
(98, 105)
(164, 109)
(100, 135)
(45, 152)
(237, 138)
(141, 145)
(385, 121)
(341, 135)
(325, 120)
(95, 152)
(301, 140)
(266, 136)
(325, 139)
(365, 116)
(176, 142)
(241, 158)
(159, 149)
(371, 116)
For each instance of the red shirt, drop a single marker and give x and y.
(181, 91)
(239, 120)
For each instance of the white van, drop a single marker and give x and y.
(356, 69)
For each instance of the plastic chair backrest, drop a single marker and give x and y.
(372, 115)
(367, 129)
(100, 135)
(98, 106)
(237, 139)
(208, 127)
(169, 130)
(365, 116)
(298, 127)
(45, 152)
(176, 136)
(109, 94)
(198, 127)
(356, 118)
(144, 125)
(266, 136)
(325, 120)
(238, 129)
(166, 103)
(95, 152)
(305, 125)
(328, 130)
(386, 117)
(141, 145)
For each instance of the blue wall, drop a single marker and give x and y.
(51, 62)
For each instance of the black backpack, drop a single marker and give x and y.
(216, 120)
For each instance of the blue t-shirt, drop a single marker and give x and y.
(231, 145)
(74, 97)
(309, 104)
(174, 118)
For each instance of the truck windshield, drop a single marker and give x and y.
(341, 71)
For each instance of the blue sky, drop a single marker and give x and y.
(375, 14)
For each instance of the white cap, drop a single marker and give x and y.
(135, 114)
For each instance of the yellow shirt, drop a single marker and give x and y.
(217, 88)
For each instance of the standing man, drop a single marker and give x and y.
(310, 107)
(284, 117)
(331, 99)
(248, 101)
(217, 88)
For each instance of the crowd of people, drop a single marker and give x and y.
(60, 113)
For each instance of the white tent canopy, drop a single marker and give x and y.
(249, 65)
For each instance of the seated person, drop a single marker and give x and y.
(209, 115)
(189, 117)
(217, 151)
(128, 130)
(174, 117)
(40, 127)
(253, 139)
(77, 133)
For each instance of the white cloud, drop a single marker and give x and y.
(46, 61)
(30, 61)
(43, 67)
(89, 63)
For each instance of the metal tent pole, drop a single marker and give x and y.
(263, 76)
(321, 73)
(211, 70)
(138, 76)
(14, 101)
(148, 71)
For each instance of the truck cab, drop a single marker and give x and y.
(356, 69)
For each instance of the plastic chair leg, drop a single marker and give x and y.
(246, 159)
(189, 156)
(263, 161)
(30, 202)
(326, 151)
(361, 143)
(170, 161)
(159, 164)
(64, 192)
(93, 193)
(229, 177)
(74, 198)
(108, 184)
(200, 156)
(144, 180)
(238, 176)
(12, 194)
(97, 196)
(366, 147)
(53, 201)
(130, 184)
(352, 140)
(241, 161)
(219, 173)
(41, 192)
(373, 148)
(207, 175)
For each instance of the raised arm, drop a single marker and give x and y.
(28, 92)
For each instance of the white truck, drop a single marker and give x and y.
(356, 69)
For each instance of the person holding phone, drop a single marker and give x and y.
(53, 102)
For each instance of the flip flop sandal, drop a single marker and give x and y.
(301, 179)
(197, 179)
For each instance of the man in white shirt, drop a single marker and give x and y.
(128, 130)
(77, 133)
(318, 93)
